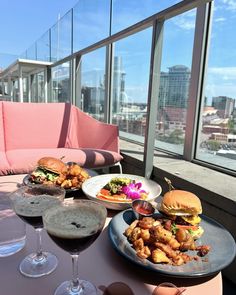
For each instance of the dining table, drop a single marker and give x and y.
(101, 264)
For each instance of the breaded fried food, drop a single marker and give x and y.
(158, 256)
(73, 177)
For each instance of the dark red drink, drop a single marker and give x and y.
(75, 245)
(30, 209)
(74, 228)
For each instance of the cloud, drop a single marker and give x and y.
(212, 89)
(230, 72)
(220, 19)
(221, 81)
(229, 4)
(186, 20)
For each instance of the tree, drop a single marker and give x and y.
(231, 125)
(176, 136)
(213, 145)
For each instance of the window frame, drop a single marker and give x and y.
(204, 11)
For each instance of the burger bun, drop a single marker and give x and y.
(52, 164)
(180, 202)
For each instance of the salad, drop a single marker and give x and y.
(120, 189)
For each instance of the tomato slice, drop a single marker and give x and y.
(192, 227)
(105, 192)
(113, 198)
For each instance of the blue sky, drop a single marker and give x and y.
(22, 22)
(25, 21)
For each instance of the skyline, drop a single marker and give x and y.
(221, 71)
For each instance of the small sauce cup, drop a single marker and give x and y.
(142, 208)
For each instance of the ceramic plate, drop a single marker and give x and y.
(92, 186)
(221, 254)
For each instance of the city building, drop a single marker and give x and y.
(164, 58)
(174, 87)
(225, 105)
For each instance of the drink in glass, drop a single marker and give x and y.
(74, 225)
(29, 203)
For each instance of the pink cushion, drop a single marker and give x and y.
(25, 160)
(4, 165)
(35, 125)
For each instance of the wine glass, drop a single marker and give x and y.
(29, 203)
(74, 225)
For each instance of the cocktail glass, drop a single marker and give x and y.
(74, 225)
(29, 203)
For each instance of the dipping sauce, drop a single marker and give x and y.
(142, 208)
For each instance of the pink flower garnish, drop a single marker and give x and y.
(133, 191)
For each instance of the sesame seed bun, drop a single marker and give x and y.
(179, 202)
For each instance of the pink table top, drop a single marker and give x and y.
(99, 264)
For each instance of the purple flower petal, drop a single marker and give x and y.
(138, 185)
(132, 191)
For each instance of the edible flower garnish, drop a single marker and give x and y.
(120, 189)
(133, 191)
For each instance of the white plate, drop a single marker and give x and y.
(92, 186)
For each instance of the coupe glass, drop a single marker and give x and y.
(74, 226)
(29, 203)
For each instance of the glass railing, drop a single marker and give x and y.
(6, 60)
(43, 47)
(118, 79)
(89, 22)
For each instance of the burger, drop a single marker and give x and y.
(183, 207)
(48, 170)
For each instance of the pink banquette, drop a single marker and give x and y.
(29, 131)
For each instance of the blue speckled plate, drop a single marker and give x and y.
(222, 251)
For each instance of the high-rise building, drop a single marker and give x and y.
(118, 85)
(225, 105)
(174, 87)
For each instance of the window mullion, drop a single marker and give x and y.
(153, 94)
(195, 88)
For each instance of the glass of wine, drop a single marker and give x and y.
(29, 203)
(74, 225)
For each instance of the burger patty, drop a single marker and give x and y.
(181, 221)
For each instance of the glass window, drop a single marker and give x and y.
(127, 13)
(92, 94)
(38, 87)
(91, 20)
(174, 82)
(25, 89)
(130, 81)
(15, 90)
(61, 83)
(61, 44)
(217, 134)
(41, 86)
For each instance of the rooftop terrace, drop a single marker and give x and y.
(121, 68)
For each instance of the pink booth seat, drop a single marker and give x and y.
(30, 131)
(4, 165)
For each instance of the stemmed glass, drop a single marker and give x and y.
(74, 225)
(29, 203)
